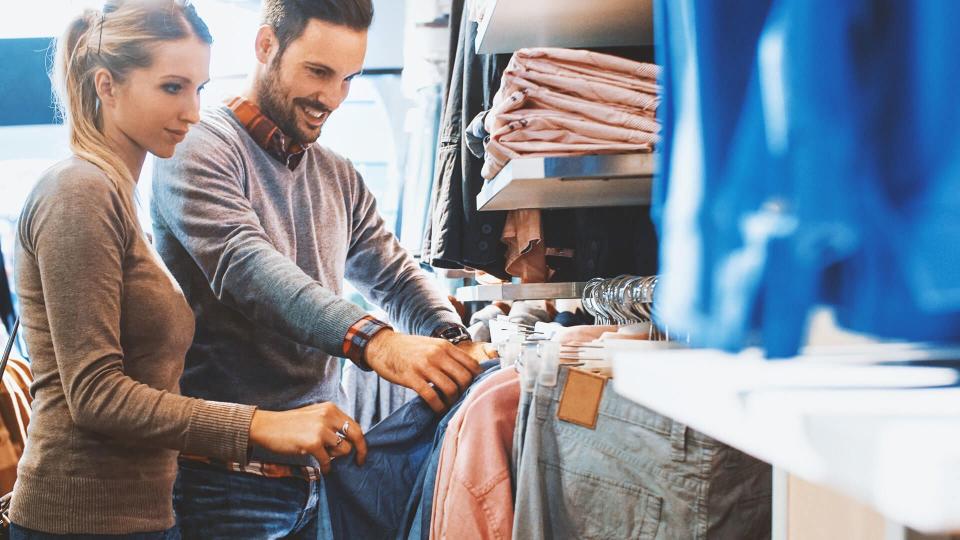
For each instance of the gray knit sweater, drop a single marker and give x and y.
(262, 252)
(107, 329)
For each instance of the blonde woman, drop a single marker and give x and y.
(106, 325)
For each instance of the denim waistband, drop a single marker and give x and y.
(615, 407)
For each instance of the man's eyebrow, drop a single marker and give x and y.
(324, 67)
(318, 65)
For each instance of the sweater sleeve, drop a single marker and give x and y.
(199, 196)
(78, 236)
(379, 267)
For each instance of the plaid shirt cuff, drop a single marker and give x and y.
(358, 337)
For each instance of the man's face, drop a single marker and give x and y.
(299, 88)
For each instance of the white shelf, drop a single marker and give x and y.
(876, 434)
(517, 291)
(509, 25)
(570, 182)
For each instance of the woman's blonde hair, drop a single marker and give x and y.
(119, 38)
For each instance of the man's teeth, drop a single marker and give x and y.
(314, 113)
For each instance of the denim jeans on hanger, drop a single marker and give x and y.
(420, 503)
(523, 419)
(374, 501)
(637, 475)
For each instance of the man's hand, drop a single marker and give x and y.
(422, 364)
(481, 352)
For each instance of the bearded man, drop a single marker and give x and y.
(260, 225)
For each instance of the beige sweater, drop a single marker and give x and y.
(107, 328)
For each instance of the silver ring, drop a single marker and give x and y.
(346, 426)
(339, 439)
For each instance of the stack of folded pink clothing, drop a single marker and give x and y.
(565, 102)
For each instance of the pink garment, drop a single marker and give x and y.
(477, 496)
(573, 71)
(558, 134)
(560, 102)
(589, 90)
(498, 153)
(548, 100)
(523, 126)
(526, 254)
(599, 61)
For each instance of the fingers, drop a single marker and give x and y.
(341, 434)
(464, 359)
(319, 452)
(445, 384)
(431, 396)
(335, 444)
(459, 374)
(354, 434)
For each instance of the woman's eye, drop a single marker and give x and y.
(172, 88)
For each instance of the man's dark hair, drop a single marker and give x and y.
(288, 18)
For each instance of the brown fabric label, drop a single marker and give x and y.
(580, 401)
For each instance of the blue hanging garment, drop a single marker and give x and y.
(836, 182)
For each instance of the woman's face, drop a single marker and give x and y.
(155, 106)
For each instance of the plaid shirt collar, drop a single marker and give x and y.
(266, 133)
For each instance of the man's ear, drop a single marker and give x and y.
(105, 86)
(266, 44)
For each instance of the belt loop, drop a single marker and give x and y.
(678, 441)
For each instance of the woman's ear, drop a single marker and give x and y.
(105, 85)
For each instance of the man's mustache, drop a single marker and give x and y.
(313, 104)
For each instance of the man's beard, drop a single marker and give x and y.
(275, 102)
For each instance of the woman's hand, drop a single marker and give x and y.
(321, 430)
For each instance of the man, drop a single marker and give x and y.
(260, 226)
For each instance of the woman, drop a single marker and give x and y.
(106, 324)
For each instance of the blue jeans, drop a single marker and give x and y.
(213, 503)
(22, 533)
(637, 475)
(382, 499)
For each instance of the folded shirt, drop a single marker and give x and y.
(540, 125)
(593, 60)
(598, 92)
(517, 93)
(572, 71)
